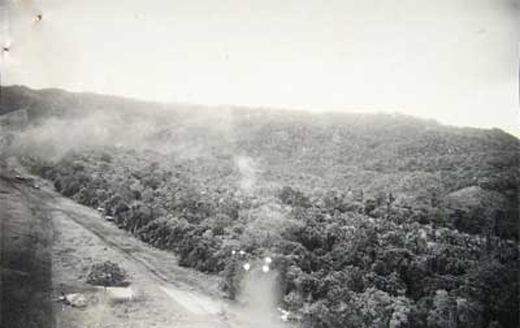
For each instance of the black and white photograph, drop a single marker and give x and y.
(259, 163)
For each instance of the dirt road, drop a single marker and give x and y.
(70, 238)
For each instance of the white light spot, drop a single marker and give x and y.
(247, 266)
(265, 268)
(233, 252)
(242, 253)
(268, 260)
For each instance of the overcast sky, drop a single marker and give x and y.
(452, 60)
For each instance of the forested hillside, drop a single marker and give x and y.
(371, 220)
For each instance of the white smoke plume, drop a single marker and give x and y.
(260, 290)
(248, 173)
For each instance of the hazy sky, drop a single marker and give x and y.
(452, 60)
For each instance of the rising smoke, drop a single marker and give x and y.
(260, 291)
(248, 173)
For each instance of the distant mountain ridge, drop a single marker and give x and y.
(373, 152)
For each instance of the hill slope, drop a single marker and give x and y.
(369, 152)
